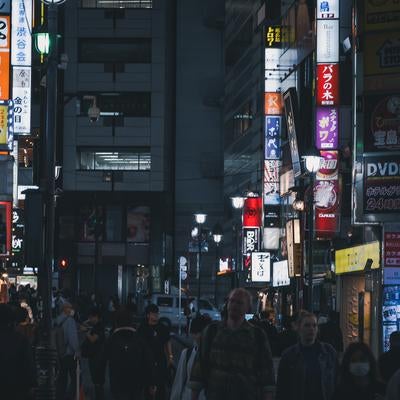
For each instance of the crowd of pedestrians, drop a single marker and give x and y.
(231, 359)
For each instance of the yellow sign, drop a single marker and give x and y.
(382, 14)
(3, 124)
(273, 37)
(354, 259)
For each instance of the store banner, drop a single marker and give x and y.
(327, 128)
(273, 104)
(327, 9)
(382, 123)
(293, 247)
(327, 84)
(327, 208)
(273, 37)
(5, 228)
(272, 137)
(329, 169)
(328, 41)
(391, 249)
(280, 274)
(251, 244)
(5, 33)
(21, 93)
(381, 15)
(252, 212)
(271, 182)
(260, 267)
(382, 184)
(6, 125)
(17, 240)
(21, 37)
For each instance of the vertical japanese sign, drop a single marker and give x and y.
(327, 184)
(261, 267)
(21, 59)
(5, 33)
(6, 125)
(273, 138)
(5, 228)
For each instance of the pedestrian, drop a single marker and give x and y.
(234, 359)
(17, 370)
(267, 321)
(308, 369)
(131, 369)
(358, 379)
(24, 325)
(23, 302)
(389, 362)
(288, 337)
(68, 352)
(393, 387)
(93, 349)
(330, 332)
(180, 389)
(157, 339)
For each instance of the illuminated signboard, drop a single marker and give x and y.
(5, 228)
(260, 267)
(329, 169)
(252, 212)
(327, 207)
(6, 125)
(328, 41)
(327, 128)
(354, 258)
(273, 104)
(273, 36)
(327, 84)
(22, 99)
(17, 242)
(280, 274)
(271, 182)
(273, 137)
(4, 57)
(327, 9)
(21, 38)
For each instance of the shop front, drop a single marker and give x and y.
(358, 292)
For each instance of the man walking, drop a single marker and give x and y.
(234, 359)
(308, 369)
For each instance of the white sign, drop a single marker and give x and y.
(22, 99)
(21, 38)
(280, 273)
(22, 188)
(272, 77)
(260, 267)
(327, 9)
(328, 41)
(271, 238)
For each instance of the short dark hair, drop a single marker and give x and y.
(123, 318)
(151, 308)
(94, 312)
(199, 323)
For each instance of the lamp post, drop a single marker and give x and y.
(237, 204)
(45, 352)
(217, 237)
(312, 163)
(200, 218)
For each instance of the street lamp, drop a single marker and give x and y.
(217, 237)
(200, 218)
(237, 204)
(312, 163)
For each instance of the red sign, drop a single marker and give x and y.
(252, 212)
(5, 228)
(392, 249)
(273, 103)
(327, 208)
(327, 84)
(329, 166)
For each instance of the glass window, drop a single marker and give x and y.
(125, 160)
(131, 104)
(113, 223)
(164, 301)
(116, 3)
(118, 50)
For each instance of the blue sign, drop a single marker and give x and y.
(272, 138)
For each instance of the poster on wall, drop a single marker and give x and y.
(382, 184)
(382, 123)
(138, 224)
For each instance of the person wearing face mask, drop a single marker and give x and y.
(67, 362)
(358, 378)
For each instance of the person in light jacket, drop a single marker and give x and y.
(180, 390)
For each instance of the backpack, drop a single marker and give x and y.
(59, 339)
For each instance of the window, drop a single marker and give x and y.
(117, 50)
(164, 301)
(132, 104)
(113, 223)
(116, 3)
(126, 160)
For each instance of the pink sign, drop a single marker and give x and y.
(392, 249)
(327, 128)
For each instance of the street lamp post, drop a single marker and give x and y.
(237, 204)
(312, 164)
(200, 218)
(217, 237)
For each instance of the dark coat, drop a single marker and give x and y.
(291, 372)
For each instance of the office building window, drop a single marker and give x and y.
(115, 50)
(127, 104)
(117, 3)
(109, 160)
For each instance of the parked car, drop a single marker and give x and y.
(169, 308)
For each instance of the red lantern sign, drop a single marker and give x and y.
(5, 228)
(327, 84)
(252, 212)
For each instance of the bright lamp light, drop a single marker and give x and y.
(42, 43)
(200, 218)
(313, 163)
(237, 202)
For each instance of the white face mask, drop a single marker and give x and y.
(359, 368)
(72, 313)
